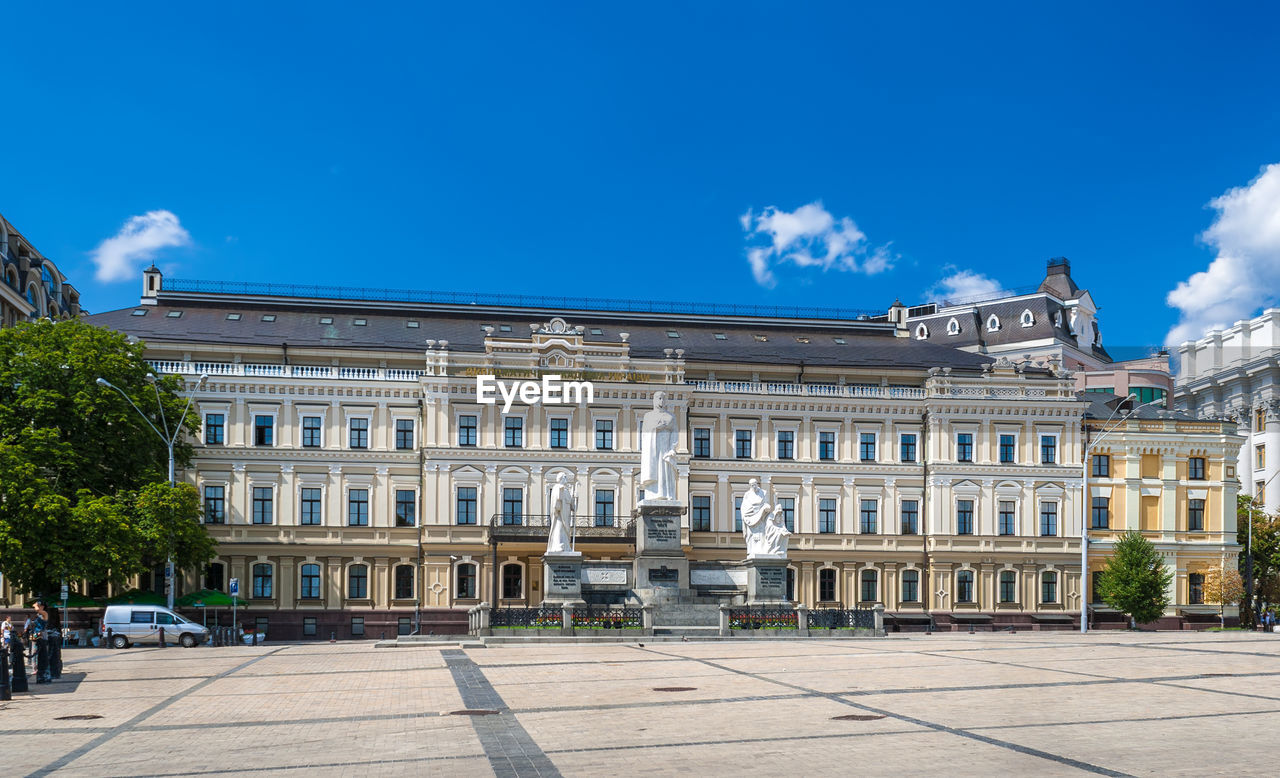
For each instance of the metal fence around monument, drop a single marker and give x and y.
(526, 618)
(763, 618)
(839, 618)
(604, 617)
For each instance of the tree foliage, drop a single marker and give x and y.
(1135, 580)
(79, 466)
(1225, 587)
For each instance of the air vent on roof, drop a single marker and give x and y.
(326, 320)
(268, 317)
(233, 317)
(174, 314)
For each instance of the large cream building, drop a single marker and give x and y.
(356, 482)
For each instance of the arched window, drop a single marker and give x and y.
(953, 327)
(964, 586)
(993, 323)
(466, 589)
(1008, 586)
(1028, 319)
(922, 332)
(404, 582)
(512, 581)
(827, 584)
(869, 591)
(215, 577)
(262, 582)
(911, 586)
(1049, 587)
(310, 589)
(358, 582)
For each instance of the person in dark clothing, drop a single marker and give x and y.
(40, 641)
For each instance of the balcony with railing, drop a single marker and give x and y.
(537, 526)
(856, 391)
(251, 370)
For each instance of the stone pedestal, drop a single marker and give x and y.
(766, 580)
(660, 559)
(562, 577)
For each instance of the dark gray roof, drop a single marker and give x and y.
(783, 344)
(1103, 406)
(973, 324)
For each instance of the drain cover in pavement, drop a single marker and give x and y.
(78, 717)
(857, 717)
(473, 712)
(675, 688)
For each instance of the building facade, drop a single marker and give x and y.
(33, 286)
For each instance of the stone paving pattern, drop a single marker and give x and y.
(1111, 703)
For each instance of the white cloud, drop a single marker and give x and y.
(964, 286)
(808, 237)
(1246, 272)
(119, 256)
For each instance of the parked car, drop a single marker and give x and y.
(130, 624)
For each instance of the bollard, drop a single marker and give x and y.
(162, 637)
(109, 643)
(18, 664)
(333, 637)
(42, 659)
(5, 693)
(55, 655)
(971, 628)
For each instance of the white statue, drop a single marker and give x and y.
(764, 531)
(563, 504)
(658, 440)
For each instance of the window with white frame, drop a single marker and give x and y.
(827, 445)
(358, 432)
(558, 429)
(700, 512)
(786, 444)
(1028, 319)
(953, 327)
(310, 500)
(312, 431)
(922, 332)
(465, 575)
(406, 507)
(993, 323)
(513, 432)
(742, 443)
(357, 507)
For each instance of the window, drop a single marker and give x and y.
(1095, 579)
(466, 581)
(672, 334)
(512, 506)
(309, 502)
(358, 582)
(721, 336)
(1260, 491)
(1195, 515)
(311, 431)
(604, 434)
(263, 429)
(138, 312)
(466, 430)
(737, 514)
(1008, 449)
(357, 626)
(788, 506)
(964, 517)
(1027, 319)
(559, 433)
(867, 517)
(593, 330)
(786, 444)
(1101, 466)
(513, 432)
(964, 447)
(1048, 519)
(760, 338)
(827, 446)
(268, 317)
(953, 327)
(1259, 457)
(411, 324)
(827, 584)
(964, 586)
(869, 591)
(791, 584)
(358, 508)
(826, 515)
(358, 433)
(262, 498)
(839, 341)
(742, 444)
(1147, 394)
(262, 582)
(466, 505)
(1101, 513)
(214, 429)
(326, 320)
(604, 508)
(170, 314)
(867, 447)
(359, 322)
(911, 586)
(215, 505)
(700, 505)
(702, 442)
(922, 332)
(802, 339)
(310, 582)
(406, 508)
(1196, 583)
(1049, 588)
(1259, 420)
(907, 448)
(993, 323)
(910, 517)
(215, 577)
(404, 434)
(1006, 517)
(309, 629)
(1048, 449)
(403, 586)
(1008, 586)
(512, 581)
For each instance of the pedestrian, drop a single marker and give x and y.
(40, 636)
(6, 629)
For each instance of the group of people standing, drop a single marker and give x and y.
(39, 635)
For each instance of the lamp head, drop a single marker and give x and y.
(151, 378)
(203, 377)
(102, 382)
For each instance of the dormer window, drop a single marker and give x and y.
(360, 322)
(268, 317)
(411, 324)
(953, 327)
(233, 317)
(326, 320)
(174, 314)
(993, 323)
(139, 312)
(1028, 318)
(922, 332)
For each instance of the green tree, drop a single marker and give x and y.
(1135, 581)
(1224, 587)
(76, 459)
(1266, 546)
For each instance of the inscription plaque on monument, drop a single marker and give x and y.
(663, 576)
(564, 578)
(772, 581)
(561, 577)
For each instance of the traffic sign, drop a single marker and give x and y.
(235, 586)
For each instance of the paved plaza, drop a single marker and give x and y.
(1109, 703)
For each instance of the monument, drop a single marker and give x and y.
(766, 536)
(660, 559)
(561, 563)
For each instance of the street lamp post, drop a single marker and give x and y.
(1086, 502)
(169, 438)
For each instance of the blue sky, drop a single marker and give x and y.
(646, 150)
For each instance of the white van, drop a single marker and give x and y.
(131, 624)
